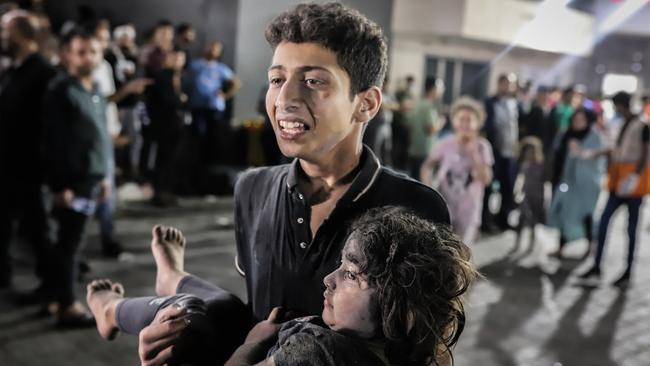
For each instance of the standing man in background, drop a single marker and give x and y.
(208, 92)
(423, 123)
(502, 131)
(79, 152)
(22, 87)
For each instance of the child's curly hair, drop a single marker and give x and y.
(419, 270)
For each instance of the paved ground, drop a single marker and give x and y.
(530, 310)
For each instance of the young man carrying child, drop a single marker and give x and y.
(291, 221)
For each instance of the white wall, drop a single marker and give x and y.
(428, 17)
(408, 58)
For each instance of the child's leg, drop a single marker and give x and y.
(168, 248)
(103, 298)
(115, 313)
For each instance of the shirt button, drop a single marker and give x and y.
(303, 245)
(300, 196)
(300, 220)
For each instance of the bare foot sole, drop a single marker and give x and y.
(102, 298)
(168, 248)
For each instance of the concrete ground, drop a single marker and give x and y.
(530, 309)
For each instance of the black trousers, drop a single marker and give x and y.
(505, 172)
(211, 337)
(214, 136)
(167, 153)
(66, 252)
(24, 203)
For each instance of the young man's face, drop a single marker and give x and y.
(308, 101)
(349, 302)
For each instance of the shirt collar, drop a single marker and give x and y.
(370, 168)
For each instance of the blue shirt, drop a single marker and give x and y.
(207, 78)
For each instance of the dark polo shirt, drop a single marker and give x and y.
(282, 264)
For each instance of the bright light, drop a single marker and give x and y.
(614, 83)
(621, 14)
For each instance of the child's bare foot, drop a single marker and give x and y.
(102, 297)
(168, 247)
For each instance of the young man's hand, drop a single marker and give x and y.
(156, 340)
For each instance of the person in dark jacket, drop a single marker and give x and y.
(166, 99)
(21, 93)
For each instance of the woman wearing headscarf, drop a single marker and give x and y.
(577, 178)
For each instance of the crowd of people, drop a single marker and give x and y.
(389, 251)
(516, 143)
(87, 109)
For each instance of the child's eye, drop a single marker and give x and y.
(350, 275)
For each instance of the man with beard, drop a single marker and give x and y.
(21, 92)
(79, 148)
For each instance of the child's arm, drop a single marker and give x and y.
(258, 342)
(480, 169)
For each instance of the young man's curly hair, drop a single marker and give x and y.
(419, 270)
(358, 43)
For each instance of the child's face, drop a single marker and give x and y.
(466, 124)
(308, 101)
(349, 299)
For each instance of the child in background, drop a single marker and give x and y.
(463, 167)
(529, 188)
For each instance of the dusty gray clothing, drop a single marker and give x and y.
(309, 342)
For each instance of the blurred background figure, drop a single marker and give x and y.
(379, 135)
(423, 122)
(22, 87)
(185, 38)
(502, 131)
(79, 153)
(577, 178)
(462, 166)
(628, 183)
(529, 186)
(400, 131)
(210, 84)
(123, 56)
(166, 99)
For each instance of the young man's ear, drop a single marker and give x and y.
(369, 104)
